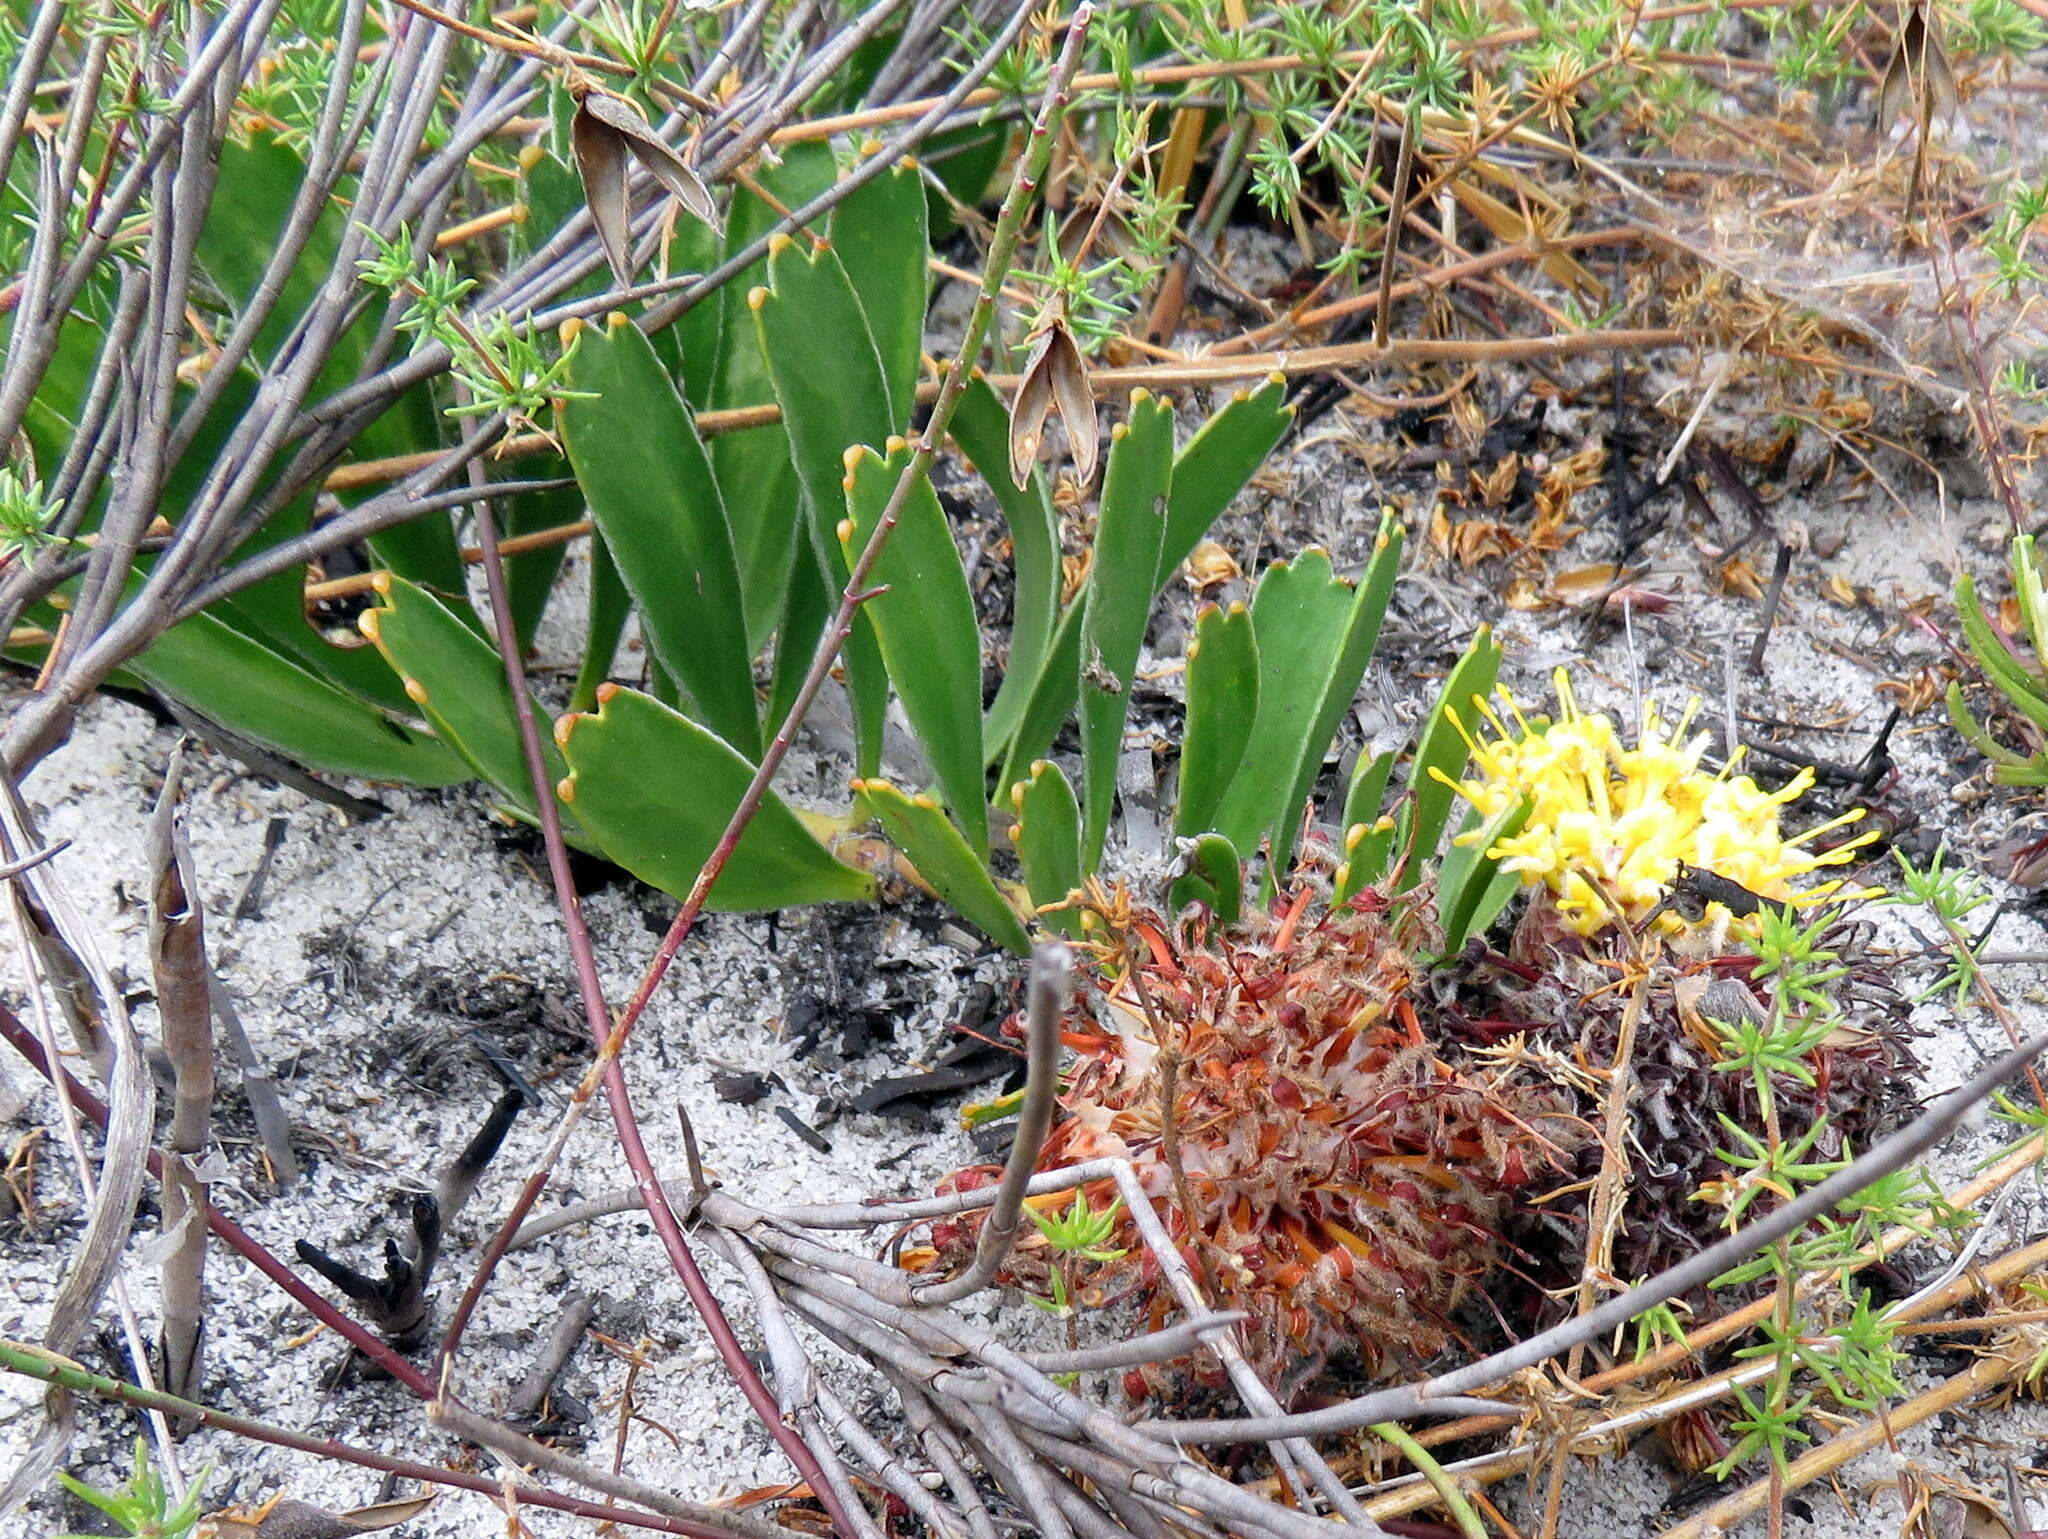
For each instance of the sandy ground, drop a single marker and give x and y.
(382, 952)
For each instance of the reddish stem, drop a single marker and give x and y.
(353, 1332)
(328, 1448)
(606, 1038)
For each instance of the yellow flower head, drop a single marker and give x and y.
(1629, 817)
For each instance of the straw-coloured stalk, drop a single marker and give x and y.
(177, 944)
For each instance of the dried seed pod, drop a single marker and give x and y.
(1054, 375)
(1918, 74)
(605, 133)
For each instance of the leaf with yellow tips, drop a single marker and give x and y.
(919, 827)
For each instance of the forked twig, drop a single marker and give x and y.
(1046, 996)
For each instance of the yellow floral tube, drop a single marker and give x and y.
(1630, 817)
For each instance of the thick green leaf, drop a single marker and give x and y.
(1223, 699)
(1215, 464)
(604, 620)
(1978, 737)
(723, 368)
(879, 233)
(457, 680)
(1048, 836)
(259, 180)
(1211, 470)
(2021, 686)
(1051, 700)
(1305, 619)
(1353, 653)
(653, 791)
(829, 380)
(530, 575)
(1214, 878)
(1367, 844)
(645, 475)
(268, 698)
(1471, 887)
(1127, 534)
(931, 639)
(2026, 586)
(1441, 749)
(981, 427)
(919, 827)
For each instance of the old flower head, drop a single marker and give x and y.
(1605, 815)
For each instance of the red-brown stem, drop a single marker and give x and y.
(49, 1372)
(856, 591)
(604, 1036)
(230, 1232)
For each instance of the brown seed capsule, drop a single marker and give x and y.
(605, 133)
(1918, 74)
(1054, 375)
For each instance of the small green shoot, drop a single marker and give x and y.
(142, 1504)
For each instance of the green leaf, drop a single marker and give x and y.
(1214, 879)
(1352, 654)
(266, 697)
(1309, 624)
(723, 368)
(653, 790)
(1215, 465)
(650, 488)
(930, 637)
(1048, 835)
(879, 233)
(1223, 697)
(530, 575)
(1442, 748)
(604, 620)
(829, 380)
(919, 827)
(1210, 471)
(2008, 768)
(1471, 887)
(1051, 700)
(2027, 692)
(2026, 583)
(1367, 845)
(1127, 535)
(981, 428)
(457, 680)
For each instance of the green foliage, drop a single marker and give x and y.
(141, 1506)
(1048, 838)
(1223, 695)
(1122, 581)
(917, 826)
(1081, 1233)
(1951, 894)
(469, 703)
(930, 638)
(2022, 685)
(25, 518)
(1823, 1333)
(653, 790)
(654, 499)
(500, 364)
